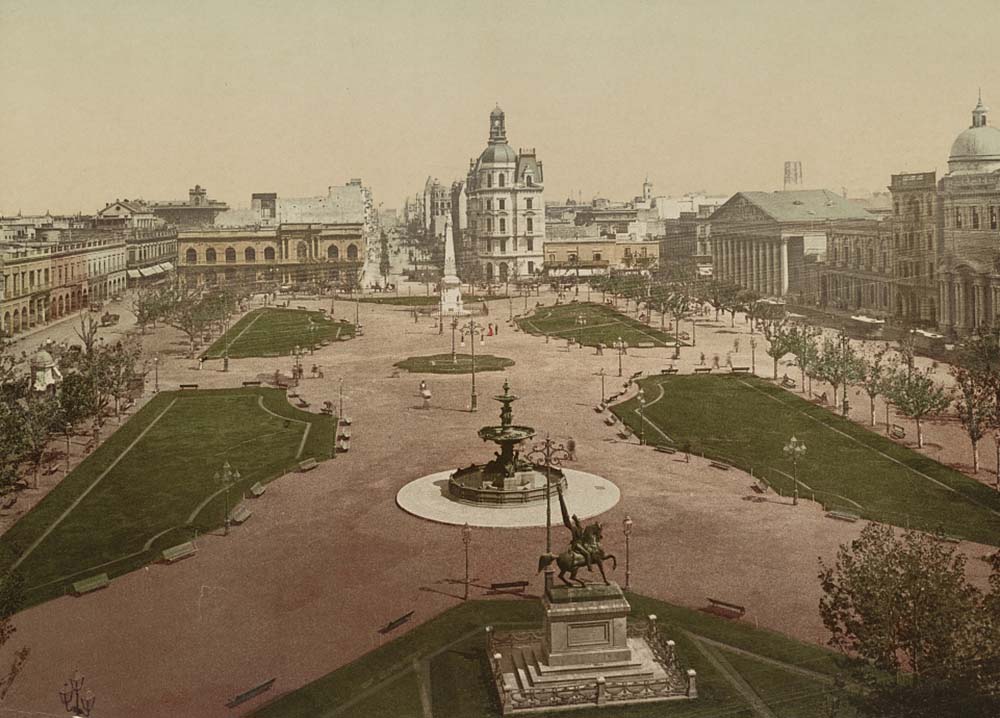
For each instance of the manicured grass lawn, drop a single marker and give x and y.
(603, 324)
(443, 364)
(276, 332)
(453, 644)
(431, 300)
(747, 422)
(140, 492)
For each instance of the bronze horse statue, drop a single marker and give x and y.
(584, 549)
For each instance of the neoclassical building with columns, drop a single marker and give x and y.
(771, 242)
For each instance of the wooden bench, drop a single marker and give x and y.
(702, 369)
(843, 516)
(666, 449)
(344, 432)
(509, 586)
(646, 345)
(189, 386)
(741, 370)
(92, 583)
(299, 306)
(611, 420)
(756, 488)
(308, 464)
(599, 408)
(302, 404)
(947, 538)
(51, 469)
(180, 551)
(788, 383)
(293, 395)
(344, 446)
(251, 383)
(396, 623)
(345, 420)
(726, 609)
(257, 490)
(669, 370)
(623, 434)
(897, 432)
(719, 465)
(240, 514)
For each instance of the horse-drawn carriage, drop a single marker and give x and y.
(108, 319)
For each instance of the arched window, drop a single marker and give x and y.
(249, 254)
(352, 252)
(302, 252)
(503, 222)
(191, 256)
(501, 179)
(489, 224)
(489, 179)
(332, 252)
(210, 255)
(230, 255)
(530, 225)
(269, 254)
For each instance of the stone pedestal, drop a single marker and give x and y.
(585, 626)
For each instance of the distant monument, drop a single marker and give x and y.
(451, 285)
(587, 653)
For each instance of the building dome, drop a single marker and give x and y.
(977, 149)
(498, 154)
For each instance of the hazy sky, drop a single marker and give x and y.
(144, 99)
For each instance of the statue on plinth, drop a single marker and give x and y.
(584, 549)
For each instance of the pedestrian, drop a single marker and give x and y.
(201, 362)
(489, 329)
(715, 361)
(496, 329)
(702, 360)
(571, 448)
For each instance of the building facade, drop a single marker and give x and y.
(858, 274)
(592, 256)
(506, 208)
(916, 247)
(197, 211)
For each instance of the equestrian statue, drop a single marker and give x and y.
(584, 548)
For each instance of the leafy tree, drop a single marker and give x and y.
(721, 295)
(11, 600)
(915, 393)
(903, 604)
(980, 355)
(839, 365)
(39, 416)
(974, 403)
(750, 302)
(121, 370)
(874, 377)
(192, 315)
(87, 331)
(779, 338)
(803, 347)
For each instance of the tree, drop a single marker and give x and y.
(903, 604)
(39, 417)
(980, 355)
(721, 295)
(191, 315)
(779, 338)
(874, 377)
(803, 347)
(87, 331)
(839, 366)
(915, 393)
(120, 371)
(750, 302)
(974, 403)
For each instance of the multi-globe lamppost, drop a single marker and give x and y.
(227, 477)
(472, 331)
(794, 449)
(156, 374)
(549, 454)
(627, 528)
(74, 699)
(466, 540)
(620, 346)
(641, 397)
(454, 326)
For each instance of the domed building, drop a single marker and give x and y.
(969, 220)
(506, 210)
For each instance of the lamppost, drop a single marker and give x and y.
(454, 326)
(642, 419)
(312, 337)
(340, 415)
(227, 477)
(68, 428)
(472, 331)
(601, 373)
(298, 352)
(156, 374)
(441, 316)
(627, 527)
(620, 346)
(466, 539)
(550, 454)
(357, 312)
(73, 697)
(795, 449)
(753, 355)
(510, 308)
(225, 353)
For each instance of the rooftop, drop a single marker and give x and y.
(806, 205)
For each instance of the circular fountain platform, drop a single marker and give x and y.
(428, 498)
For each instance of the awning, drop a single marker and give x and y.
(133, 273)
(167, 266)
(150, 271)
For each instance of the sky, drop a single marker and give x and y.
(146, 98)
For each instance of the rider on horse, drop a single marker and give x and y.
(583, 542)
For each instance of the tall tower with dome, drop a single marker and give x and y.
(969, 218)
(506, 208)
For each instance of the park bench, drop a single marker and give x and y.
(252, 693)
(666, 449)
(702, 369)
(180, 551)
(240, 514)
(624, 433)
(326, 411)
(646, 345)
(787, 383)
(719, 465)
(252, 383)
(302, 404)
(51, 469)
(726, 609)
(257, 490)
(292, 395)
(344, 446)
(396, 623)
(897, 432)
(599, 408)
(756, 488)
(948, 538)
(324, 342)
(843, 516)
(92, 583)
(344, 432)
(611, 420)
(821, 397)
(345, 420)
(510, 586)
(8, 501)
(189, 386)
(669, 370)
(741, 370)
(299, 306)
(308, 464)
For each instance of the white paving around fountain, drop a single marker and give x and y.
(427, 497)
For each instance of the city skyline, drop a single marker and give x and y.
(244, 99)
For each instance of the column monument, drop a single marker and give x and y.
(451, 285)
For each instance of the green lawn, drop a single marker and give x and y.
(462, 364)
(421, 300)
(167, 456)
(747, 422)
(450, 649)
(276, 332)
(603, 324)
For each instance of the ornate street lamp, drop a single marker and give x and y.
(627, 528)
(340, 415)
(620, 346)
(466, 539)
(603, 395)
(472, 331)
(454, 326)
(795, 449)
(753, 355)
(642, 418)
(227, 478)
(549, 454)
(156, 374)
(73, 697)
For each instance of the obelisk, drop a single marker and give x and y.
(451, 285)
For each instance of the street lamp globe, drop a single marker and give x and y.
(627, 525)
(466, 534)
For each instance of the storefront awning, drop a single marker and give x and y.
(167, 266)
(133, 273)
